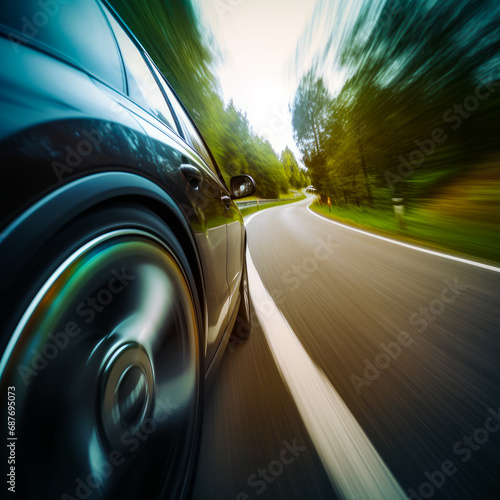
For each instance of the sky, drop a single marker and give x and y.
(267, 45)
(258, 41)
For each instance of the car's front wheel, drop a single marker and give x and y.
(104, 363)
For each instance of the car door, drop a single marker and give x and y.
(235, 227)
(215, 191)
(235, 257)
(197, 189)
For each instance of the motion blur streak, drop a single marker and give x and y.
(439, 254)
(355, 468)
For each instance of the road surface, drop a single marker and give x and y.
(408, 341)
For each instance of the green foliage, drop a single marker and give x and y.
(411, 71)
(424, 227)
(310, 114)
(294, 174)
(170, 32)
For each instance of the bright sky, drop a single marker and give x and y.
(258, 39)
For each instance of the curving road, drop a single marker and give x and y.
(374, 368)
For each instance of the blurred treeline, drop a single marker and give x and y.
(414, 67)
(170, 31)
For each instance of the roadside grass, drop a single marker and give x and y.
(425, 227)
(251, 210)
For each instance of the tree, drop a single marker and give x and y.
(170, 32)
(411, 72)
(293, 172)
(310, 114)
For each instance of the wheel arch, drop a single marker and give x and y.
(87, 193)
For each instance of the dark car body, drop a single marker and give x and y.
(89, 126)
(78, 122)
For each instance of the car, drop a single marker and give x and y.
(123, 261)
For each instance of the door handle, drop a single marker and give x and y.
(192, 174)
(227, 201)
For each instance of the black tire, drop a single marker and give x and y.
(108, 394)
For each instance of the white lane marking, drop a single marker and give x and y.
(419, 249)
(248, 218)
(354, 467)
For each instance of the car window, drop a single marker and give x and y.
(190, 133)
(142, 86)
(75, 30)
(195, 141)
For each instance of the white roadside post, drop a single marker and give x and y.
(399, 210)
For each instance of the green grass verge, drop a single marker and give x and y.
(251, 210)
(426, 228)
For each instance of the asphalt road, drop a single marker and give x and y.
(409, 341)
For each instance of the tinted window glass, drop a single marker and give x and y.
(190, 132)
(159, 78)
(75, 29)
(195, 140)
(142, 86)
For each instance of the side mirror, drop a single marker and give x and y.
(242, 186)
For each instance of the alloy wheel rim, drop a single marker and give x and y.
(110, 386)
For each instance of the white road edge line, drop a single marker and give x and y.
(400, 243)
(353, 465)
